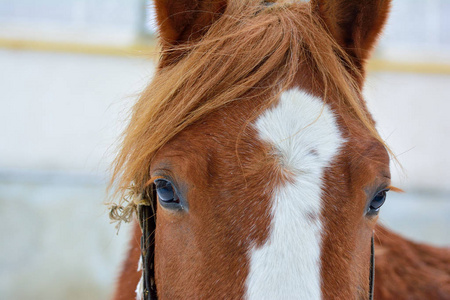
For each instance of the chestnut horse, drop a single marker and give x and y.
(255, 150)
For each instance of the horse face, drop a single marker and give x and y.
(270, 201)
(278, 209)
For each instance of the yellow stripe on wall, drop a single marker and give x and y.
(379, 65)
(48, 46)
(150, 50)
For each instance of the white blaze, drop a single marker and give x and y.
(305, 136)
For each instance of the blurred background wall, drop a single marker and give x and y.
(69, 72)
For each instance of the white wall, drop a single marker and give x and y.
(417, 30)
(60, 117)
(411, 111)
(116, 22)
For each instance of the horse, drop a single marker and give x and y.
(251, 166)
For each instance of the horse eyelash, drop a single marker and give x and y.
(395, 189)
(152, 180)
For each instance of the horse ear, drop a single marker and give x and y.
(181, 21)
(355, 24)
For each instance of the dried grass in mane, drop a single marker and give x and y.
(247, 44)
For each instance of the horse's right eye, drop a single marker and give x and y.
(166, 192)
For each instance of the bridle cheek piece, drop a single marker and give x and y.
(147, 222)
(372, 267)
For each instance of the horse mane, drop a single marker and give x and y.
(246, 46)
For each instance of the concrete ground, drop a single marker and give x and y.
(60, 117)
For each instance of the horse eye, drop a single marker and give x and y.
(166, 192)
(377, 202)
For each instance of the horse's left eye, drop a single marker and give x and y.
(377, 202)
(166, 192)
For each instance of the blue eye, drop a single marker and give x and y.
(166, 192)
(377, 202)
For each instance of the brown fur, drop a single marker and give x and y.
(221, 67)
(408, 270)
(184, 21)
(403, 270)
(354, 24)
(129, 275)
(204, 173)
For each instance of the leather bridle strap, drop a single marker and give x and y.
(372, 268)
(147, 221)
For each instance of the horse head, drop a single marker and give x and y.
(254, 146)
